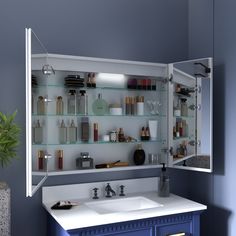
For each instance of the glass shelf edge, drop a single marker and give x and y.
(99, 142)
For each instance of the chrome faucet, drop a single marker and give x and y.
(109, 191)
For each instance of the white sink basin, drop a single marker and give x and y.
(122, 205)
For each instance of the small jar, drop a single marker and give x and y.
(113, 136)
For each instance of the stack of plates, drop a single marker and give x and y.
(74, 81)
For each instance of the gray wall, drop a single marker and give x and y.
(147, 30)
(217, 190)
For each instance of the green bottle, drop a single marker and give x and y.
(100, 106)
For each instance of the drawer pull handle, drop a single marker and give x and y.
(178, 234)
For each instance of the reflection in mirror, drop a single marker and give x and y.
(192, 102)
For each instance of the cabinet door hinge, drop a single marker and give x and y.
(193, 143)
(194, 107)
(168, 150)
(168, 79)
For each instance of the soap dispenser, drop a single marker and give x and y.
(164, 183)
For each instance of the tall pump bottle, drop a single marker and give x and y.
(164, 183)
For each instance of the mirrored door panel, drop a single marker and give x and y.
(36, 110)
(191, 115)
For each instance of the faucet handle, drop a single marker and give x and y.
(95, 196)
(122, 191)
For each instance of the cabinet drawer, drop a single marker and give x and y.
(183, 229)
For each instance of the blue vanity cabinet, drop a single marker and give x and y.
(185, 224)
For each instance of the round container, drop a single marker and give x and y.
(116, 111)
(106, 138)
(113, 136)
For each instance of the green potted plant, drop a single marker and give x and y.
(9, 140)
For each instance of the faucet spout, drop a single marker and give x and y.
(109, 191)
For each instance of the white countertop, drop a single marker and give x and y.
(82, 216)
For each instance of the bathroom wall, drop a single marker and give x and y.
(151, 30)
(217, 190)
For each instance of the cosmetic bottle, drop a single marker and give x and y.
(139, 155)
(100, 106)
(140, 105)
(164, 183)
(62, 133)
(40, 106)
(184, 107)
(82, 103)
(40, 160)
(127, 106)
(38, 133)
(121, 136)
(84, 129)
(142, 134)
(95, 132)
(93, 80)
(72, 132)
(59, 106)
(84, 161)
(60, 160)
(71, 103)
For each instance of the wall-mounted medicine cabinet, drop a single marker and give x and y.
(88, 115)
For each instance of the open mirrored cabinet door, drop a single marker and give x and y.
(190, 115)
(37, 72)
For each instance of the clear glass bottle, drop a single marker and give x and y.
(59, 106)
(164, 183)
(40, 106)
(71, 105)
(62, 133)
(72, 132)
(184, 107)
(100, 106)
(38, 133)
(82, 104)
(177, 109)
(85, 129)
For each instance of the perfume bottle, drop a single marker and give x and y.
(82, 103)
(59, 106)
(100, 106)
(38, 133)
(72, 132)
(85, 129)
(84, 161)
(62, 133)
(71, 106)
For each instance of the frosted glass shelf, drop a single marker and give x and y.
(182, 95)
(185, 117)
(99, 142)
(178, 160)
(97, 88)
(185, 137)
(73, 172)
(107, 115)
